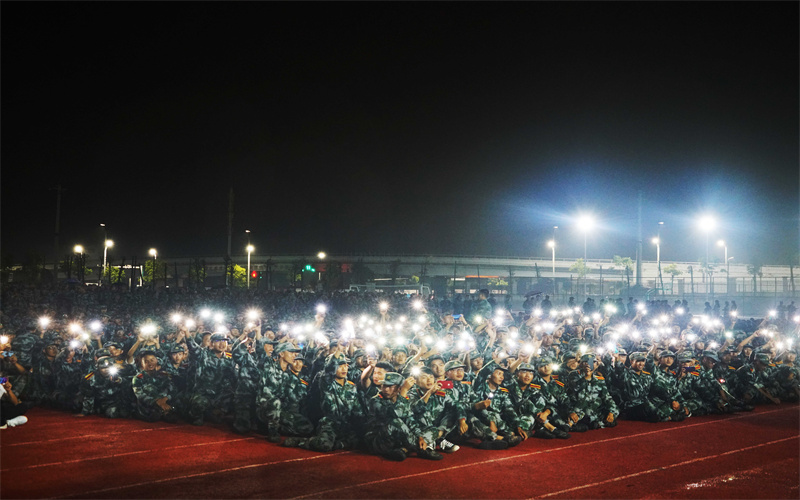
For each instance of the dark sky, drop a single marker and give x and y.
(426, 128)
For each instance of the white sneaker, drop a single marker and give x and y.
(448, 447)
(13, 422)
(4, 426)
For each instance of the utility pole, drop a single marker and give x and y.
(229, 271)
(639, 246)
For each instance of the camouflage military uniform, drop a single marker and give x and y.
(214, 382)
(387, 427)
(437, 416)
(788, 378)
(590, 400)
(751, 379)
(278, 401)
(686, 383)
(150, 387)
(637, 402)
(110, 396)
(244, 396)
(68, 377)
(555, 398)
(341, 415)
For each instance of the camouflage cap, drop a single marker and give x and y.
(666, 353)
(217, 337)
(711, 355)
(544, 361)
(452, 365)
(52, 338)
(435, 357)
(118, 345)
(638, 356)
(588, 357)
(526, 367)
(763, 357)
(106, 362)
(101, 353)
(359, 353)
(622, 352)
(286, 347)
(685, 357)
(570, 355)
(392, 378)
(400, 349)
(177, 348)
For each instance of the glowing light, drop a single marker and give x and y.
(417, 305)
(673, 341)
(553, 313)
(577, 310)
(729, 335)
(44, 321)
(537, 312)
(586, 319)
(253, 314)
(402, 319)
(428, 340)
(415, 371)
(113, 371)
(713, 345)
(399, 340)
(219, 317)
(96, 326)
(600, 350)
(189, 323)
(322, 308)
(691, 337)
(75, 328)
(383, 306)
(596, 316)
(696, 320)
(205, 313)
(527, 348)
(555, 366)
(441, 345)
(176, 318)
(370, 348)
(582, 348)
(611, 346)
(736, 313)
(148, 329)
(640, 307)
(707, 223)
(679, 311)
(3, 339)
(478, 318)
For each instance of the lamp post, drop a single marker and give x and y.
(585, 223)
(154, 253)
(721, 243)
(79, 250)
(707, 224)
(108, 244)
(249, 249)
(320, 256)
(552, 245)
(657, 243)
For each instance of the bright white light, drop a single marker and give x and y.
(322, 308)
(113, 370)
(577, 310)
(586, 319)
(189, 323)
(478, 318)
(582, 348)
(555, 366)
(402, 319)
(417, 305)
(514, 334)
(773, 313)
(713, 345)
(148, 329)
(679, 311)
(321, 255)
(664, 318)
(600, 350)
(252, 314)
(696, 320)
(383, 306)
(640, 307)
(44, 321)
(84, 336)
(728, 335)
(96, 325)
(250, 248)
(370, 348)
(553, 313)
(797, 319)
(415, 371)
(219, 317)
(585, 223)
(3, 339)
(399, 340)
(74, 344)
(176, 318)
(596, 316)
(611, 346)
(75, 328)
(707, 223)
(673, 341)
(153, 252)
(736, 313)
(527, 348)
(691, 337)
(390, 327)
(428, 340)
(537, 312)
(205, 313)
(441, 345)
(308, 327)
(623, 327)
(109, 243)
(415, 328)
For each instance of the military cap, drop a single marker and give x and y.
(622, 352)
(145, 352)
(501, 329)
(570, 355)
(435, 357)
(666, 353)
(544, 360)
(219, 337)
(763, 357)
(118, 345)
(426, 370)
(647, 343)
(638, 356)
(270, 341)
(286, 347)
(400, 349)
(177, 348)
(334, 343)
(100, 353)
(474, 354)
(526, 367)
(53, 338)
(359, 353)
(710, 354)
(747, 345)
(685, 356)
(385, 365)
(452, 365)
(392, 378)
(269, 328)
(588, 357)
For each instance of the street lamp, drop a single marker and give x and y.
(657, 243)
(721, 243)
(585, 224)
(321, 256)
(108, 244)
(707, 224)
(552, 245)
(154, 253)
(249, 249)
(79, 250)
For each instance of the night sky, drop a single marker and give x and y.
(424, 128)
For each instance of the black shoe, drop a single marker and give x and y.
(429, 455)
(560, 434)
(396, 455)
(579, 428)
(564, 427)
(543, 434)
(493, 444)
(512, 440)
(596, 425)
(274, 437)
(292, 442)
(197, 421)
(679, 417)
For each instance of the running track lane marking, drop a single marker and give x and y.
(531, 453)
(657, 469)
(125, 454)
(187, 476)
(105, 434)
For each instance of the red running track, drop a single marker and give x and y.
(747, 455)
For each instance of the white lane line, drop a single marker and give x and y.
(105, 434)
(199, 474)
(116, 455)
(657, 469)
(333, 490)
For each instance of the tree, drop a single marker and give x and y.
(154, 269)
(580, 268)
(239, 276)
(673, 271)
(114, 275)
(754, 268)
(197, 272)
(625, 263)
(497, 282)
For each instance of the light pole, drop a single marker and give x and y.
(108, 244)
(79, 250)
(320, 256)
(657, 243)
(707, 224)
(721, 243)
(154, 253)
(552, 245)
(249, 249)
(585, 223)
